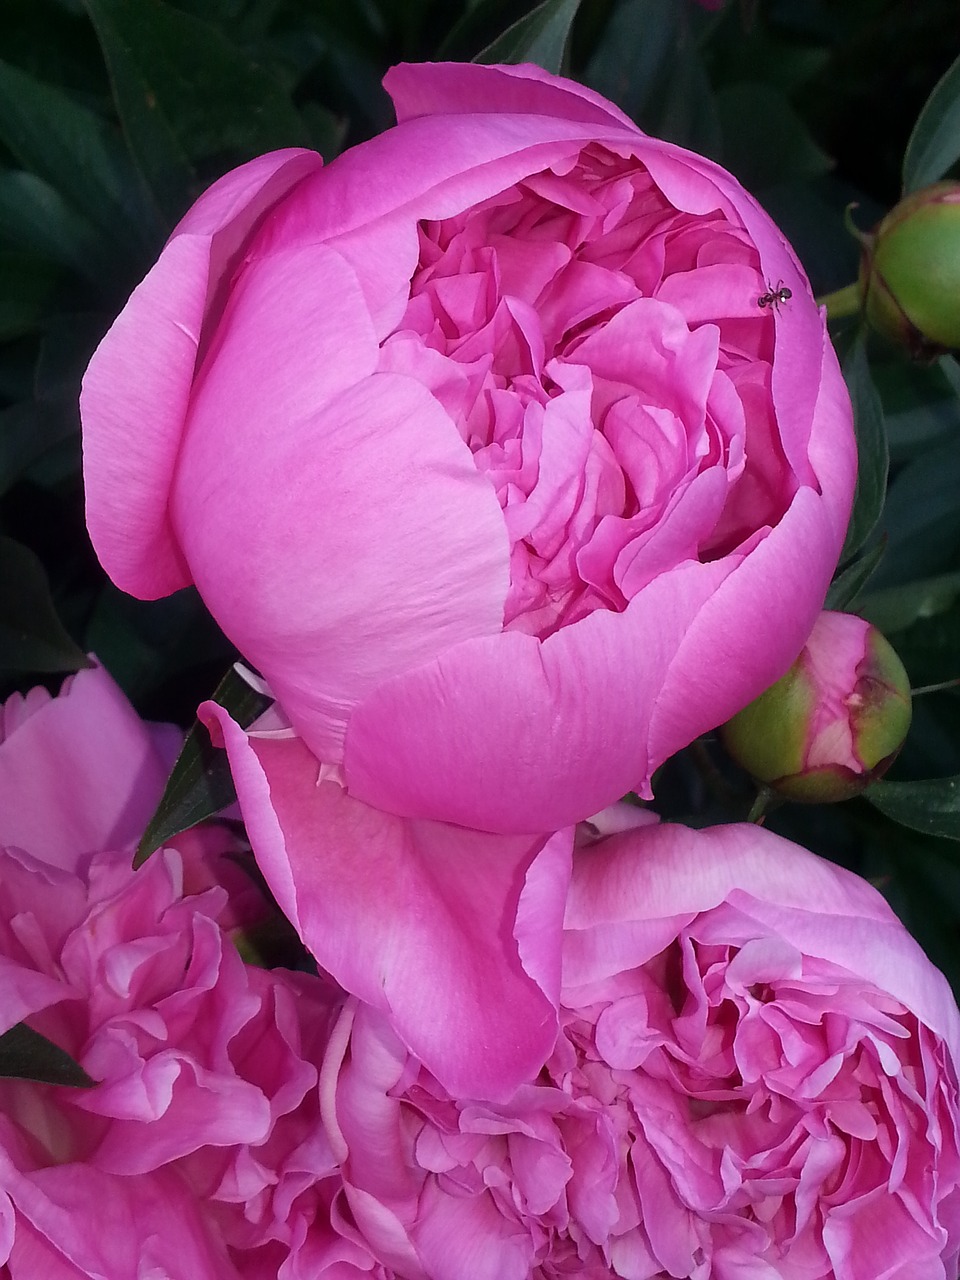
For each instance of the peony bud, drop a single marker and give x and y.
(910, 272)
(834, 723)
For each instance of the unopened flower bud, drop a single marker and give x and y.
(910, 272)
(834, 723)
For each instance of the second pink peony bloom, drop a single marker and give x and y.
(510, 447)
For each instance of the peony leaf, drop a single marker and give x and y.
(27, 1055)
(872, 450)
(847, 586)
(200, 784)
(183, 92)
(931, 806)
(934, 145)
(32, 637)
(541, 37)
(73, 151)
(894, 608)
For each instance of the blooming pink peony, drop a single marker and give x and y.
(510, 447)
(198, 1154)
(756, 1077)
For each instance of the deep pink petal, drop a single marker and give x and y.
(416, 918)
(453, 88)
(137, 388)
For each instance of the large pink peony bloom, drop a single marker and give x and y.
(199, 1153)
(497, 446)
(756, 1077)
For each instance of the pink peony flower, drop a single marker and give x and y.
(199, 1153)
(510, 447)
(756, 1076)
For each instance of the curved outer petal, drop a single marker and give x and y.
(456, 88)
(452, 932)
(623, 888)
(82, 773)
(138, 385)
(354, 537)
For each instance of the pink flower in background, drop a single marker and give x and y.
(756, 1076)
(497, 446)
(198, 1154)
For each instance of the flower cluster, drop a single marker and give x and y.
(756, 1074)
(511, 450)
(197, 1151)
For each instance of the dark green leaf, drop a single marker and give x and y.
(33, 216)
(931, 806)
(847, 586)
(894, 608)
(922, 517)
(74, 151)
(764, 140)
(541, 37)
(184, 92)
(27, 431)
(32, 638)
(26, 283)
(872, 452)
(27, 1055)
(200, 784)
(649, 62)
(635, 53)
(934, 145)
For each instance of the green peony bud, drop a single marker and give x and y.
(910, 272)
(834, 723)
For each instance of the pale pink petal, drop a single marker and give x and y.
(81, 774)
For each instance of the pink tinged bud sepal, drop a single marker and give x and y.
(910, 272)
(834, 723)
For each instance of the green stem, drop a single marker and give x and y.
(842, 302)
(758, 812)
(934, 688)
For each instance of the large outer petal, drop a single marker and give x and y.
(623, 886)
(137, 388)
(82, 773)
(353, 536)
(449, 931)
(557, 730)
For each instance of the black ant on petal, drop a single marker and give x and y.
(775, 297)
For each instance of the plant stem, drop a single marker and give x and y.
(842, 302)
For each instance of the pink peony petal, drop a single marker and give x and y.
(449, 930)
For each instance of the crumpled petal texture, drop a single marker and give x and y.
(756, 1076)
(495, 406)
(198, 1154)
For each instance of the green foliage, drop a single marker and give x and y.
(27, 1055)
(200, 784)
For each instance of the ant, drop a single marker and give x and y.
(774, 297)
